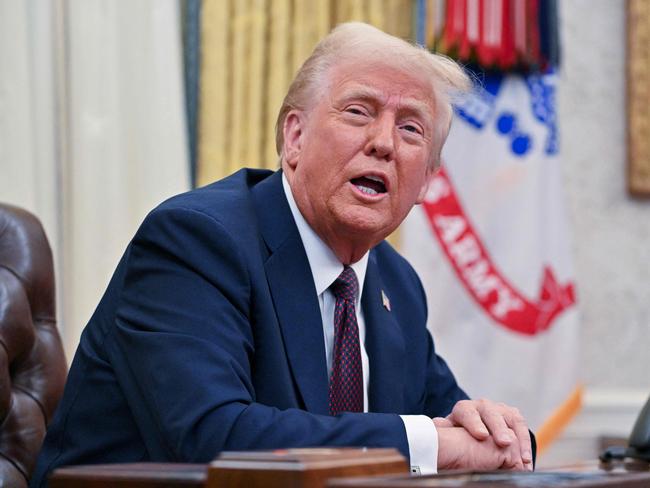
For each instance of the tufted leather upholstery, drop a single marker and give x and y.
(32, 364)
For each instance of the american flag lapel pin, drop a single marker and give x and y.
(385, 301)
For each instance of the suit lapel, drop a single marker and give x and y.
(384, 345)
(294, 294)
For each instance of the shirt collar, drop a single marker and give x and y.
(325, 266)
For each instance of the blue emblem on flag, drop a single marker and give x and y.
(520, 142)
(542, 99)
(478, 110)
(477, 107)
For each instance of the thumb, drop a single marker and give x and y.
(441, 422)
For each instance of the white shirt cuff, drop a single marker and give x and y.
(422, 437)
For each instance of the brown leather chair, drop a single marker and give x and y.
(32, 364)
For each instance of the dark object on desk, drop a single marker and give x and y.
(506, 479)
(32, 363)
(639, 443)
(302, 467)
(132, 475)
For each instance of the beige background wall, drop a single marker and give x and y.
(611, 231)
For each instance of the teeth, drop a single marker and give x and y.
(375, 178)
(368, 191)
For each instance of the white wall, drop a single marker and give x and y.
(611, 231)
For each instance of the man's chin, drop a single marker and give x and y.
(372, 230)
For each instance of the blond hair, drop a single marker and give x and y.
(356, 40)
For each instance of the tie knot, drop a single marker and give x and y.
(346, 285)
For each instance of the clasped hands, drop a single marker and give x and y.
(483, 435)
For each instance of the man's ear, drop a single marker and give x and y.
(293, 132)
(430, 173)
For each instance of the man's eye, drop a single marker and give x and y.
(355, 111)
(412, 128)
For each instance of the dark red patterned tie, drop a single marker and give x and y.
(346, 382)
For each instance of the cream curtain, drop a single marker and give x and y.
(250, 51)
(126, 135)
(30, 164)
(92, 130)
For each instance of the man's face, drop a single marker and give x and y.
(359, 158)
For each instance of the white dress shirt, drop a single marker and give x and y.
(325, 268)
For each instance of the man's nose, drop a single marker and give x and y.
(381, 133)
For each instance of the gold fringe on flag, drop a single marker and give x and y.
(555, 424)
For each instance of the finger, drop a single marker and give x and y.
(515, 464)
(520, 429)
(523, 436)
(441, 422)
(496, 423)
(465, 414)
(512, 460)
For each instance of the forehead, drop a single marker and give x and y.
(383, 82)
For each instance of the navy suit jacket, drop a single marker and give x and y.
(209, 338)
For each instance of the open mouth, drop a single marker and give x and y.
(370, 185)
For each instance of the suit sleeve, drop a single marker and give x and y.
(182, 349)
(442, 390)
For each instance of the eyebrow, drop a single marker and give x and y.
(411, 105)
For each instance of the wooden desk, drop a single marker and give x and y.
(324, 467)
(582, 475)
(281, 468)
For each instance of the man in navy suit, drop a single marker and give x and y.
(221, 329)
